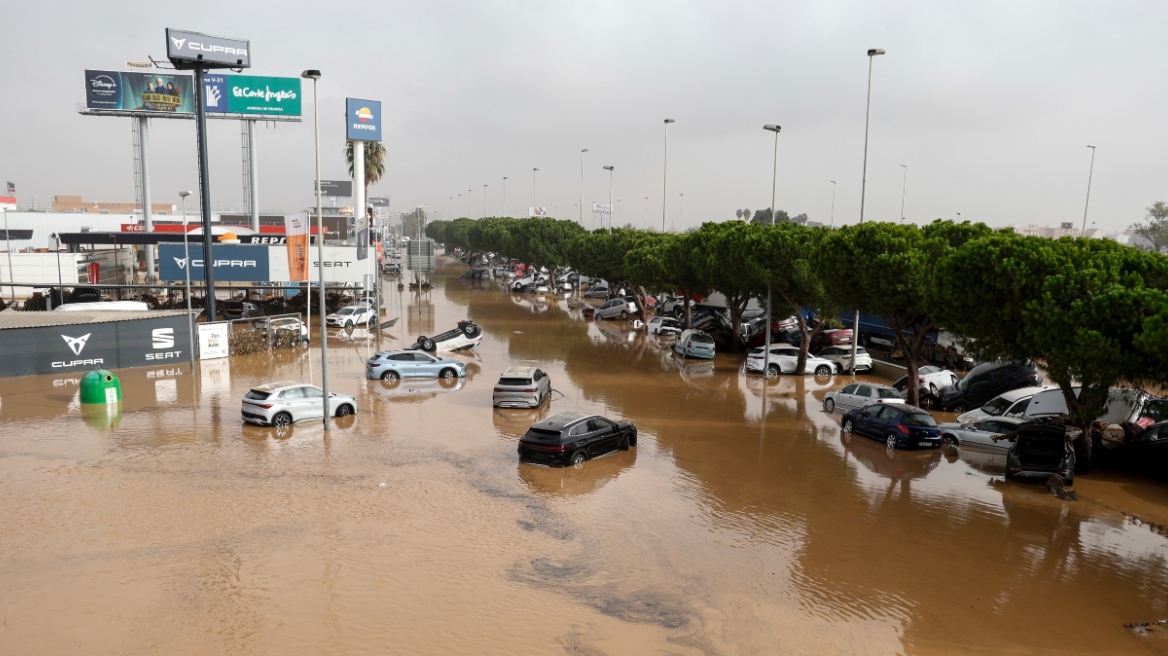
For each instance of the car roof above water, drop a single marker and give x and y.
(518, 372)
(562, 420)
(272, 387)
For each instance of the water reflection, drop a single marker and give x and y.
(574, 481)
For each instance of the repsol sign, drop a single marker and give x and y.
(230, 262)
(76, 349)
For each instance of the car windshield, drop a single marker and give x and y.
(257, 395)
(514, 381)
(886, 393)
(963, 384)
(915, 419)
(996, 406)
(1156, 410)
(702, 339)
(543, 432)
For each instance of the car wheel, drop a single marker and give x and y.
(823, 370)
(890, 441)
(959, 409)
(933, 390)
(774, 370)
(448, 375)
(624, 315)
(848, 425)
(578, 459)
(282, 420)
(345, 410)
(372, 323)
(948, 441)
(427, 344)
(391, 376)
(599, 316)
(624, 443)
(349, 325)
(828, 406)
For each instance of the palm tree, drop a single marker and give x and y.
(374, 163)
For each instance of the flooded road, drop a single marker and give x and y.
(744, 522)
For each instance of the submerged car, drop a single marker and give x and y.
(664, 326)
(784, 359)
(392, 366)
(573, 438)
(1041, 450)
(283, 404)
(284, 326)
(353, 315)
(895, 424)
(860, 395)
(617, 308)
(986, 381)
(233, 309)
(694, 344)
(980, 433)
(521, 387)
(1006, 404)
(930, 380)
(842, 356)
(466, 335)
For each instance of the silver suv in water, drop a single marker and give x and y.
(521, 387)
(282, 404)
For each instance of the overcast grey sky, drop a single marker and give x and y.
(990, 104)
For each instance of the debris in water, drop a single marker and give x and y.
(1146, 628)
(1059, 489)
(381, 485)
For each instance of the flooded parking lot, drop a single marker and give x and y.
(744, 522)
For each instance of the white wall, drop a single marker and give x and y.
(40, 269)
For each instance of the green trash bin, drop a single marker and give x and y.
(101, 386)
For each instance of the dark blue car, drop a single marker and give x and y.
(898, 425)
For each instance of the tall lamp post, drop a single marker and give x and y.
(504, 195)
(863, 190)
(903, 187)
(833, 203)
(766, 358)
(681, 210)
(533, 201)
(609, 169)
(484, 201)
(187, 270)
(314, 75)
(665, 173)
(581, 205)
(1088, 202)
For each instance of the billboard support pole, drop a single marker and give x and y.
(204, 192)
(253, 174)
(147, 215)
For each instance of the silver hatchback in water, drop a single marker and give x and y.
(521, 387)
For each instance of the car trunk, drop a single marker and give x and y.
(1040, 452)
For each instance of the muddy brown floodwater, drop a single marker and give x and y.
(743, 523)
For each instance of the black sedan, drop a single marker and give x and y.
(572, 438)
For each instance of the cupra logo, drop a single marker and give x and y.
(182, 263)
(364, 115)
(76, 343)
(178, 43)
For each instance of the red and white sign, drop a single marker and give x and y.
(177, 227)
(8, 202)
(133, 227)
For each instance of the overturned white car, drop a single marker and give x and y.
(467, 335)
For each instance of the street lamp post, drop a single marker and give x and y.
(187, 270)
(863, 190)
(504, 195)
(534, 203)
(766, 357)
(1088, 202)
(581, 205)
(609, 169)
(903, 187)
(484, 201)
(681, 210)
(314, 75)
(833, 203)
(665, 173)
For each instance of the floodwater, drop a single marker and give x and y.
(743, 523)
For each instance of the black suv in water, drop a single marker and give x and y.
(986, 381)
(572, 438)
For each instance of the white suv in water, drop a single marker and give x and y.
(283, 404)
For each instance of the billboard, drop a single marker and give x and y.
(233, 263)
(362, 119)
(537, 211)
(335, 188)
(162, 93)
(601, 208)
(252, 94)
(84, 347)
(296, 231)
(184, 49)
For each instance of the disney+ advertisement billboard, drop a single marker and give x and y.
(164, 93)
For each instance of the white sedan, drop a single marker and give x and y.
(664, 326)
(842, 355)
(930, 380)
(783, 359)
(981, 433)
